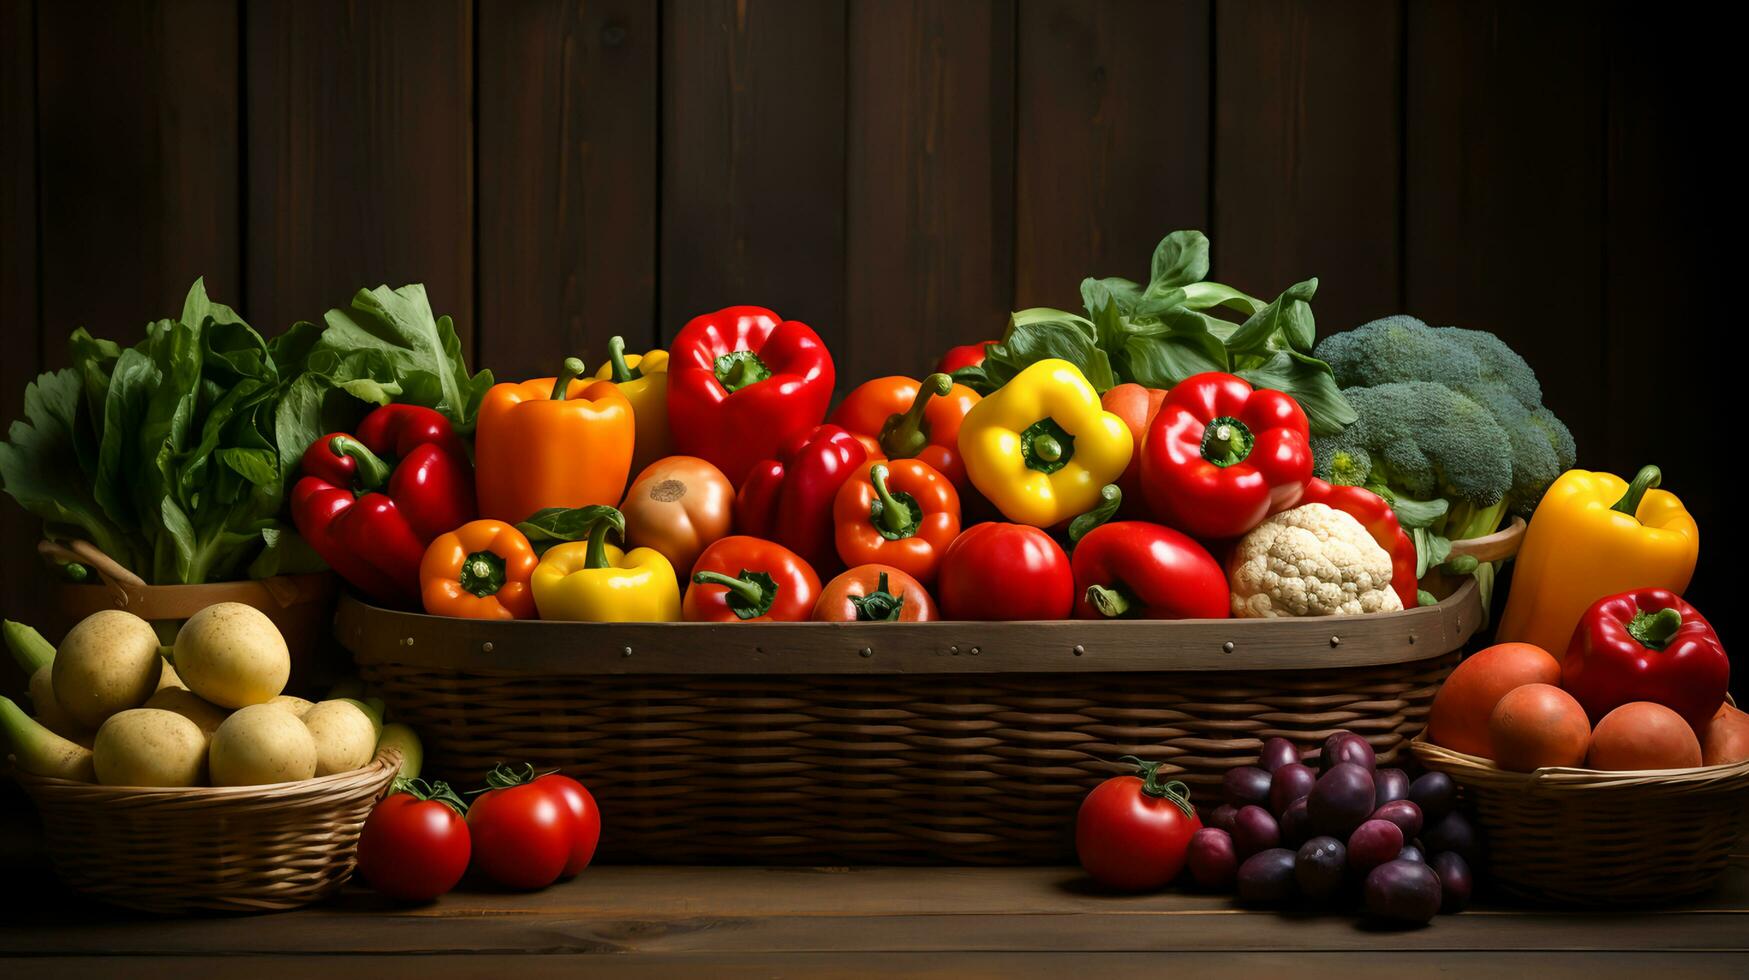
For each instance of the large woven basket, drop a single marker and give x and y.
(231, 849)
(888, 742)
(1583, 837)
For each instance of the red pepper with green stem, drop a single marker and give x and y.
(742, 383)
(370, 519)
(912, 420)
(1375, 514)
(743, 579)
(897, 512)
(1646, 645)
(1137, 570)
(789, 499)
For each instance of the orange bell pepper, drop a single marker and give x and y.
(911, 420)
(899, 512)
(552, 442)
(479, 571)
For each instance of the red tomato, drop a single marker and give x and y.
(1004, 571)
(584, 811)
(968, 355)
(525, 834)
(414, 846)
(1132, 832)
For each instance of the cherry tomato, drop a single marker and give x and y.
(583, 810)
(524, 833)
(1132, 832)
(415, 844)
(1004, 571)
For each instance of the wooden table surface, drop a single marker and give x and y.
(733, 922)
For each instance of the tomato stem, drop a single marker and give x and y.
(1174, 792)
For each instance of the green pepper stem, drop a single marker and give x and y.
(1226, 441)
(748, 591)
(1110, 602)
(1654, 630)
(904, 435)
(616, 353)
(596, 556)
(1647, 478)
(1047, 448)
(893, 516)
(482, 573)
(370, 470)
(571, 369)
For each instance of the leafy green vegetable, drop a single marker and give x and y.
(1160, 333)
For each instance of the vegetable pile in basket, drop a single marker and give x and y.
(1177, 449)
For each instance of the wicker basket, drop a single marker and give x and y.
(231, 849)
(1583, 837)
(946, 742)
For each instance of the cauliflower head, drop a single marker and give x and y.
(1312, 560)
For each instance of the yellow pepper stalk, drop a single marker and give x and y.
(1594, 535)
(1041, 447)
(592, 581)
(644, 382)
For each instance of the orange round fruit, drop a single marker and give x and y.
(1538, 725)
(1726, 738)
(1643, 735)
(1459, 718)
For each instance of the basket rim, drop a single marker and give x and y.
(376, 635)
(385, 762)
(1475, 770)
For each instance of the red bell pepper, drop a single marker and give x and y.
(1646, 645)
(741, 579)
(789, 499)
(1137, 570)
(1221, 456)
(741, 383)
(1004, 571)
(371, 520)
(1375, 514)
(964, 356)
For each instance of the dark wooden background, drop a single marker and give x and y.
(898, 174)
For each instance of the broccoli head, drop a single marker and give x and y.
(1422, 440)
(1398, 348)
(1501, 367)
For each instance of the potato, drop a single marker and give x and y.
(292, 703)
(232, 655)
(261, 744)
(107, 663)
(345, 736)
(149, 747)
(48, 707)
(206, 716)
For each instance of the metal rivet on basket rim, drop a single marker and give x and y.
(407, 641)
(1227, 647)
(1079, 649)
(486, 647)
(867, 652)
(625, 651)
(955, 650)
(1411, 637)
(1336, 641)
(976, 651)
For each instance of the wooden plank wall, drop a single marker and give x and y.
(899, 173)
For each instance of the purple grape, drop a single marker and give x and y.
(1267, 877)
(1296, 824)
(1277, 752)
(1455, 881)
(1288, 784)
(1255, 830)
(1410, 852)
(1454, 833)
(1435, 794)
(1341, 799)
(1246, 784)
(1221, 817)
(1346, 747)
(1212, 859)
(1402, 891)
(1390, 785)
(1373, 843)
(1405, 814)
(1320, 867)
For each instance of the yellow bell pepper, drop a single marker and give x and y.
(644, 382)
(1595, 535)
(592, 581)
(1041, 447)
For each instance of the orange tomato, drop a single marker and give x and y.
(1538, 725)
(1461, 709)
(679, 505)
(1643, 735)
(1137, 406)
(1726, 739)
(844, 600)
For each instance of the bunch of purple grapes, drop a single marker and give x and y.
(1289, 831)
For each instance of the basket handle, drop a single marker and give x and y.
(115, 575)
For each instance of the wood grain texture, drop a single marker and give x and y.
(1505, 119)
(753, 144)
(568, 177)
(360, 154)
(1307, 152)
(931, 181)
(1112, 139)
(18, 284)
(139, 161)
